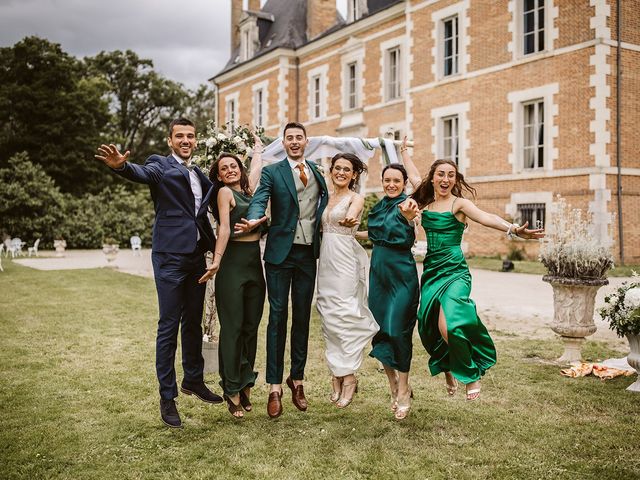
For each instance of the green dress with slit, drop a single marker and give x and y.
(446, 282)
(393, 283)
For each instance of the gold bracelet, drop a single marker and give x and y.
(217, 253)
(402, 149)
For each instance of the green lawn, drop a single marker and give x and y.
(79, 401)
(532, 266)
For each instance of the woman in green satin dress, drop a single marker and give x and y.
(448, 323)
(393, 299)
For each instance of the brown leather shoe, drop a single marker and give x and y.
(297, 395)
(274, 404)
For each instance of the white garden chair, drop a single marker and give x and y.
(34, 249)
(16, 245)
(8, 248)
(136, 244)
(1, 249)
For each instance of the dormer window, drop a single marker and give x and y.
(356, 9)
(248, 38)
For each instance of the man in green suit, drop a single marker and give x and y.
(298, 195)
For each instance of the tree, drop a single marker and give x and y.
(201, 106)
(31, 205)
(51, 109)
(143, 103)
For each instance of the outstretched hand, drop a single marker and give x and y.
(409, 209)
(524, 232)
(349, 222)
(403, 146)
(245, 226)
(257, 143)
(111, 157)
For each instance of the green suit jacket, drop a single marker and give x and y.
(277, 184)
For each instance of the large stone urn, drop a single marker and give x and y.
(634, 359)
(573, 305)
(110, 251)
(210, 356)
(60, 245)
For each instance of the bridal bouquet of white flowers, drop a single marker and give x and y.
(622, 308)
(217, 139)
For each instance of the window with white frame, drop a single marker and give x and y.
(450, 46)
(449, 146)
(393, 73)
(534, 213)
(533, 25)
(356, 9)
(316, 97)
(351, 82)
(258, 107)
(533, 134)
(230, 112)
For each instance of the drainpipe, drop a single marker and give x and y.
(297, 88)
(618, 135)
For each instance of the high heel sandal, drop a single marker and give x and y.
(474, 393)
(402, 411)
(451, 389)
(343, 401)
(245, 401)
(335, 393)
(234, 410)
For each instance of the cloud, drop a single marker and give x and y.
(188, 41)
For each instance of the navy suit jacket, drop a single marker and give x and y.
(176, 225)
(277, 184)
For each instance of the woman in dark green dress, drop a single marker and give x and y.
(449, 326)
(239, 282)
(393, 298)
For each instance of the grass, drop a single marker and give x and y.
(79, 399)
(535, 267)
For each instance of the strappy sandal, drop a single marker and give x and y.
(451, 389)
(234, 410)
(474, 393)
(245, 402)
(345, 402)
(402, 411)
(335, 395)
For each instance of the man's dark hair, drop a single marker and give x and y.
(293, 125)
(180, 121)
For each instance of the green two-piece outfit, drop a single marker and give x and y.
(240, 292)
(393, 283)
(446, 282)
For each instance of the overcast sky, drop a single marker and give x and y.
(187, 40)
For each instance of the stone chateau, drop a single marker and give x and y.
(531, 98)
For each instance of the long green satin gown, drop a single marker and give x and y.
(446, 281)
(393, 283)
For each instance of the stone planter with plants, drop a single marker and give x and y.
(60, 244)
(577, 262)
(622, 311)
(110, 249)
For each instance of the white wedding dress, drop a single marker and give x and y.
(343, 273)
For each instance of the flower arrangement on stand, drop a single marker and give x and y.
(622, 311)
(577, 262)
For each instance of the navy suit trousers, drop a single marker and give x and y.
(181, 299)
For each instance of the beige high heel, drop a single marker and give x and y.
(336, 389)
(402, 411)
(345, 402)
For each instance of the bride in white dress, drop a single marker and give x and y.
(347, 323)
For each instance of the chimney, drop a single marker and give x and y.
(236, 13)
(254, 5)
(321, 15)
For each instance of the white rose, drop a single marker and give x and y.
(632, 298)
(237, 139)
(221, 136)
(211, 142)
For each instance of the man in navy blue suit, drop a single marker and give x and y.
(182, 234)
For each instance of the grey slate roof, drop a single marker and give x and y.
(289, 27)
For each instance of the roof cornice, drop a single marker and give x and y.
(252, 64)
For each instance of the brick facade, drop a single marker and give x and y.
(572, 83)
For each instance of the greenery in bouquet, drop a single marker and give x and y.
(217, 139)
(570, 248)
(622, 308)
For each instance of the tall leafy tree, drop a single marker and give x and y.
(51, 109)
(142, 102)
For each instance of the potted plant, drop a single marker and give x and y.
(60, 244)
(577, 262)
(622, 311)
(110, 250)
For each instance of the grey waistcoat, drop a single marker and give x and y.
(308, 204)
